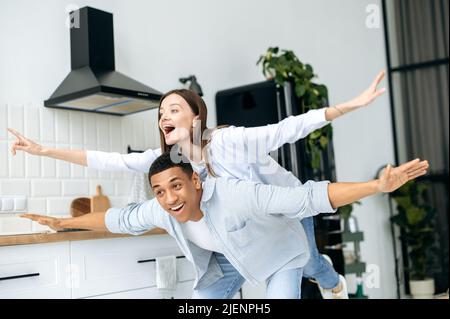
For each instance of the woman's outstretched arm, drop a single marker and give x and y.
(364, 99)
(106, 161)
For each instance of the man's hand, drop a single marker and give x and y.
(52, 222)
(393, 178)
(24, 144)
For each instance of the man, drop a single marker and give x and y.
(251, 225)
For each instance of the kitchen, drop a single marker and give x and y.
(157, 43)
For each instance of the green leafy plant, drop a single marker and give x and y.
(416, 222)
(284, 66)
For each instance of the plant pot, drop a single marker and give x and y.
(422, 289)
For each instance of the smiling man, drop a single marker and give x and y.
(252, 226)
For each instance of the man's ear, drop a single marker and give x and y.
(196, 180)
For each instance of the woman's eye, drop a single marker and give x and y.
(174, 111)
(177, 186)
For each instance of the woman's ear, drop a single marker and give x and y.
(195, 121)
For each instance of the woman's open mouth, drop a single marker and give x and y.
(167, 129)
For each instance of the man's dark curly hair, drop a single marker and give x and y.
(164, 162)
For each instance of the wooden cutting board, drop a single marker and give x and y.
(80, 206)
(100, 202)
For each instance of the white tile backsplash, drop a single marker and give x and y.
(75, 188)
(43, 188)
(15, 119)
(62, 126)
(17, 164)
(47, 125)
(16, 187)
(50, 185)
(32, 166)
(32, 127)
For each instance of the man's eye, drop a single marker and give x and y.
(159, 193)
(177, 186)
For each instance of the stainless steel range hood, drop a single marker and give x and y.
(94, 85)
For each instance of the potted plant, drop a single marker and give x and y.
(284, 66)
(415, 220)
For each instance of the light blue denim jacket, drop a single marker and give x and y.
(255, 226)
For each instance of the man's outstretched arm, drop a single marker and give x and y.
(341, 194)
(314, 198)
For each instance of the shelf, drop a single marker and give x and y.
(357, 236)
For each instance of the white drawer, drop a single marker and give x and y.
(111, 265)
(183, 291)
(35, 271)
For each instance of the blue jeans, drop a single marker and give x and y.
(281, 285)
(317, 267)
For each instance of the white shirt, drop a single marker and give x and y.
(237, 152)
(198, 233)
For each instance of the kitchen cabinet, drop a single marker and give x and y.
(100, 268)
(111, 266)
(35, 271)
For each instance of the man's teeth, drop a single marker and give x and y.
(177, 207)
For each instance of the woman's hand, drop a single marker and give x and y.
(393, 178)
(370, 94)
(365, 98)
(24, 144)
(52, 222)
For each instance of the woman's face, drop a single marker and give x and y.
(176, 119)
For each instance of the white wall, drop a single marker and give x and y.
(219, 41)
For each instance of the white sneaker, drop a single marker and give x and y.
(328, 293)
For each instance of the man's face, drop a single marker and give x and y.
(178, 193)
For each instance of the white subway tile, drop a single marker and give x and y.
(17, 164)
(91, 173)
(14, 224)
(63, 169)
(115, 132)
(62, 126)
(15, 119)
(108, 187)
(4, 154)
(115, 176)
(139, 133)
(44, 188)
(102, 131)
(58, 206)
(119, 201)
(37, 206)
(3, 121)
(32, 127)
(127, 133)
(123, 188)
(90, 130)
(15, 187)
(75, 188)
(32, 166)
(77, 171)
(76, 128)
(47, 125)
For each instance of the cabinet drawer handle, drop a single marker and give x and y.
(20, 276)
(153, 260)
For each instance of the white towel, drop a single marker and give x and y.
(166, 273)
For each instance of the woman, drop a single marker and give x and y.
(182, 122)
